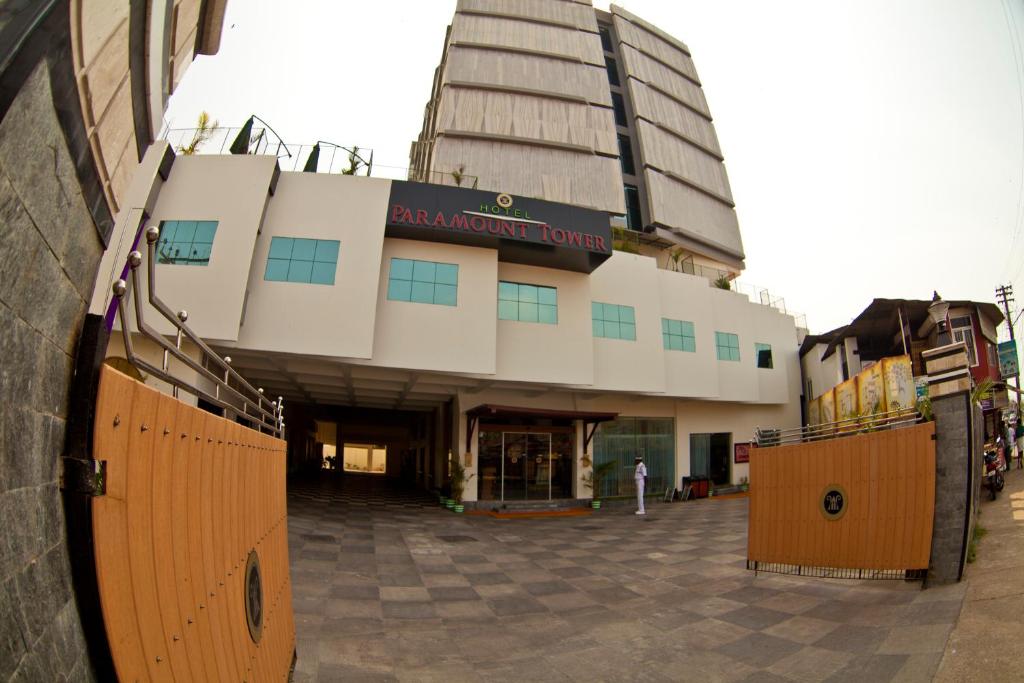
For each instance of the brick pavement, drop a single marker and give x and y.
(392, 587)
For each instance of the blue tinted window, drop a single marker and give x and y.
(727, 345)
(612, 321)
(527, 303)
(423, 282)
(763, 354)
(186, 243)
(678, 335)
(306, 261)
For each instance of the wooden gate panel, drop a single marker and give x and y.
(889, 480)
(188, 496)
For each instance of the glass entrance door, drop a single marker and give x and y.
(525, 466)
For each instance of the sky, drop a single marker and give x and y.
(875, 148)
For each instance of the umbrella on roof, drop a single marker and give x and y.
(241, 143)
(313, 160)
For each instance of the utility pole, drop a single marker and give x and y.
(1004, 295)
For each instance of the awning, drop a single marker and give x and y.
(490, 411)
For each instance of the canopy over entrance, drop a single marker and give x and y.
(495, 412)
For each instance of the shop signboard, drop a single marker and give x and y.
(1008, 359)
(742, 453)
(523, 230)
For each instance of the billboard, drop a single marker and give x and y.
(1008, 359)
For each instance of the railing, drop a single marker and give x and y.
(231, 392)
(894, 419)
(291, 157)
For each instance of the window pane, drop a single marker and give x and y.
(201, 252)
(548, 314)
(300, 271)
(666, 326)
(611, 313)
(323, 273)
(277, 270)
(303, 250)
(401, 269)
(399, 290)
(422, 292)
(444, 294)
(508, 291)
(596, 311)
(612, 69)
(675, 327)
(606, 38)
(598, 327)
(620, 109)
(627, 331)
(205, 231)
(423, 271)
(626, 314)
(547, 295)
(186, 231)
(528, 293)
(689, 344)
(326, 251)
(527, 312)
(611, 330)
(626, 155)
(508, 310)
(167, 230)
(281, 247)
(447, 274)
(634, 219)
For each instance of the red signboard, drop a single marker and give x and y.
(742, 452)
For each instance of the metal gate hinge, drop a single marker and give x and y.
(84, 476)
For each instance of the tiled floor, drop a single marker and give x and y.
(393, 587)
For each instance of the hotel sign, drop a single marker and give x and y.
(523, 230)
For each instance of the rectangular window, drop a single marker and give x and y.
(963, 331)
(606, 38)
(613, 70)
(307, 261)
(727, 345)
(764, 355)
(626, 155)
(185, 243)
(619, 105)
(677, 335)
(612, 321)
(527, 303)
(634, 221)
(423, 282)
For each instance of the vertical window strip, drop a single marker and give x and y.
(423, 282)
(302, 260)
(527, 303)
(678, 335)
(612, 321)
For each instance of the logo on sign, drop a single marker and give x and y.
(254, 597)
(833, 502)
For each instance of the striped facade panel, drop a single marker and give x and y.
(499, 32)
(669, 153)
(676, 205)
(667, 113)
(659, 76)
(575, 14)
(634, 32)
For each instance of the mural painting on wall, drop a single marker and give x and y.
(846, 402)
(828, 406)
(900, 390)
(871, 390)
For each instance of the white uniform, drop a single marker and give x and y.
(641, 472)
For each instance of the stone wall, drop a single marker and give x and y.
(49, 254)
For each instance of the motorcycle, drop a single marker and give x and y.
(994, 472)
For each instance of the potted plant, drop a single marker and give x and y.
(592, 480)
(457, 479)
(744, 484)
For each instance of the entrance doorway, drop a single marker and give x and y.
(528, 465)
(709, 457)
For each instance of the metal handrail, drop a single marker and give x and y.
(838, 428)
(246, 397)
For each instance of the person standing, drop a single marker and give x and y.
(641, 476)
(1019, 433)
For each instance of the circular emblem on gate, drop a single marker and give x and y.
(504, 200)
(254, 597)
(833, 502)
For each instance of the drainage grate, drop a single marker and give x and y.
(457, 539)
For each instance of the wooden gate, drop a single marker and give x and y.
(191, 541)
(859, 506)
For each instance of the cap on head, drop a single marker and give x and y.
(638, 457)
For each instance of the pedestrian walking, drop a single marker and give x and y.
(1019, 433)
(641, 476)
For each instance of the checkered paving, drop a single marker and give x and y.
(390, 586)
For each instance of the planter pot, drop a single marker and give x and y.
(441, 499)
(458, 507)
(711, 494)
(745, 487)
(596, 504)
(449, 503)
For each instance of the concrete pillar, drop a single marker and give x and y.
(958, 461)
